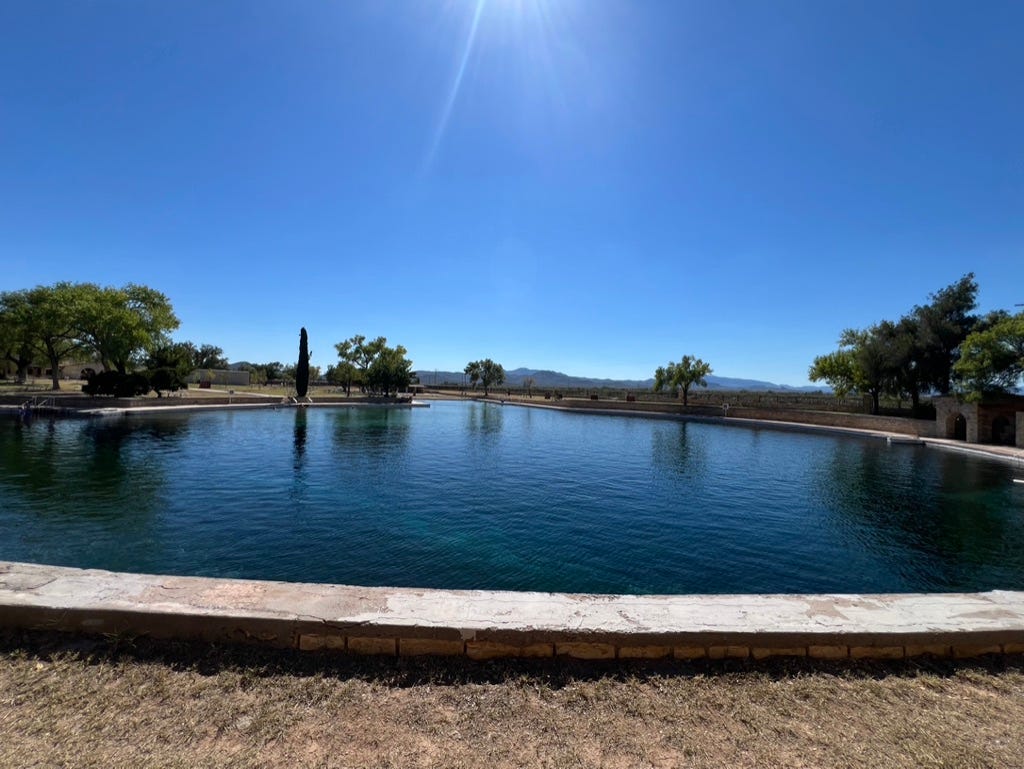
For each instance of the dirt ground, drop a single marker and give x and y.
(73, 702)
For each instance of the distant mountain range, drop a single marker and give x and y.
(544, 378)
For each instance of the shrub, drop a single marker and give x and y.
(166, 380)
(116, 384)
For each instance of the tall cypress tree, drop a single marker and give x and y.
(302, 369)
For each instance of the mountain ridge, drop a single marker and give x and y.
(548, 378)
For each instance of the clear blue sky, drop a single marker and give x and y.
(596, 187)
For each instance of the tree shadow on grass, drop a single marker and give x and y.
(402, 672)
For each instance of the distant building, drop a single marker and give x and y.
(69, 370)
(219, 377)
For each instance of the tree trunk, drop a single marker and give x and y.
(54, 369)
(686, 393)
(21, 367)
(874, 402)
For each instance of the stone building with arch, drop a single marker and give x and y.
(996, 420)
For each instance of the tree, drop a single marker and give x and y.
(357, 357)
(907, 356)
(867, 362)
(257, 373)
(342, 374)
(944, 324)
(473, 371)
(169, 365)
(390, 371)
(17, 339)
(175, 355)
(271, 371)
(117, 384)
(347, 372)
(491, 374)
(873, 358)
(688, 372)
(302, 369)
(52, 325)
(119, 324)
(487, 372)
(916, 354)
(837, 369)
(166, 379)
(208, 356)
(992, 360)
(529, 383)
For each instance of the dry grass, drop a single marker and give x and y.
(74, 702)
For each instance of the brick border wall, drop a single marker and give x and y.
(493, 624)
(916, 428)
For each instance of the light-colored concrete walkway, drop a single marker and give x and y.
(484, 624)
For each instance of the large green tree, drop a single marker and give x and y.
(473, 371)
(52, 323)
(864, 363)
(372, 364)
(390, 371)
(992, 360)
(943, 324)
(17, 335)
(207, 356)
(120, 324)
(905, 358)
(487, 372)
(838, 370)
(682, 376)
(350, 369)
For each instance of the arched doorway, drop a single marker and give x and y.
(1003, 431)
(957, 427)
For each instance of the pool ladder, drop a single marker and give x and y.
(35, 403)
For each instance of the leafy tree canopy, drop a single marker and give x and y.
(120, 324)
(372, 365)
(915, 354)
(487, 372)
(17, 334)
(992, 359)
(682, 375)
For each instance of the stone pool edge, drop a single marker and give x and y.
(1004, 454)
(498, 624)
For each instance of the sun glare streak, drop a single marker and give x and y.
(453, 92)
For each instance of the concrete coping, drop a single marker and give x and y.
(484, 624)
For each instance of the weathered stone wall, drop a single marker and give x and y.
(918, 428)
(984, 420)
(997, 423)
(485, 624)
(913, 427)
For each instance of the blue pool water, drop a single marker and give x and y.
(472, 495)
